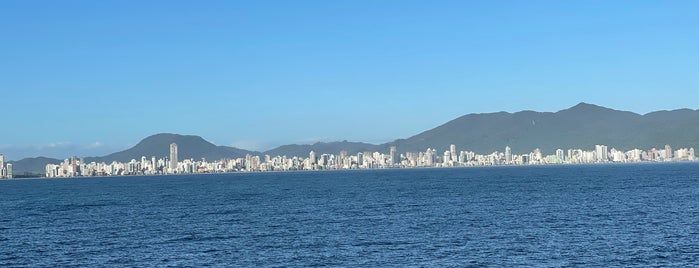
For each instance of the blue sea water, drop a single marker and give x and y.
(597, 215)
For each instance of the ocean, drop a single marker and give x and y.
(550, 216)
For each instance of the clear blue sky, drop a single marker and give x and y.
(92, 77)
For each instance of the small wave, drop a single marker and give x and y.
(225, 212)
(199, 238)
(382, 243)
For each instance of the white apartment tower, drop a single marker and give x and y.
(2, 166)
(668, 152)
(173, 156)
(312, 157)
(508, 154)
(601, 153)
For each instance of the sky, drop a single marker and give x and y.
(89, 78)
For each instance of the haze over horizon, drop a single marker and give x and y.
(91, 78)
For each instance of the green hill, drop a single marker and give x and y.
(582, 126)
(188, 146)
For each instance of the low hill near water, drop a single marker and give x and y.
(581, 126)
(33, 165)
(188, 146)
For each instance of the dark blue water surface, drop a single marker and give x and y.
(600, 215)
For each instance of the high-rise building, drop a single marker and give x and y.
(248, 162)
(9, 171)
(537, 156)
(144, 162)
(74, 166)
(173, 157)
(392, 155)
(312, 157)
(2, 166)
(452, 150)
(559, 155)
(508, 154)
(692, 157)
(668, 152)
(429, 157)
(569, 156)
(601, 153)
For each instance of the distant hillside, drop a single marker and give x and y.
(157, 145)
(582, 126)
(34, 165)
(187, 146)
(324, 148)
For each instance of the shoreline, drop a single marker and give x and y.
(607, 164)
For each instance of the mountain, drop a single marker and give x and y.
(581, 126)
(34, 165)
(324, 148)
(188, 146)
(158, 145)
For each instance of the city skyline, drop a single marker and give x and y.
(430, 158)
(242, 73)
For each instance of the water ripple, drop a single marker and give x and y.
(634, 215)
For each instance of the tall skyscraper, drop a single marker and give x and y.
(312, 157)
(2, 166)
(343, 154)
(560, 157)
(173, 156)
(74, 165)
(601, 153)
(9, 171)
(447, 158)
(508, 154)
(429, 157)
(248, 162)
(668, 152)
(392, 155)
(692, 156)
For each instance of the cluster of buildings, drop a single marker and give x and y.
(364, 160)
(5, 169)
